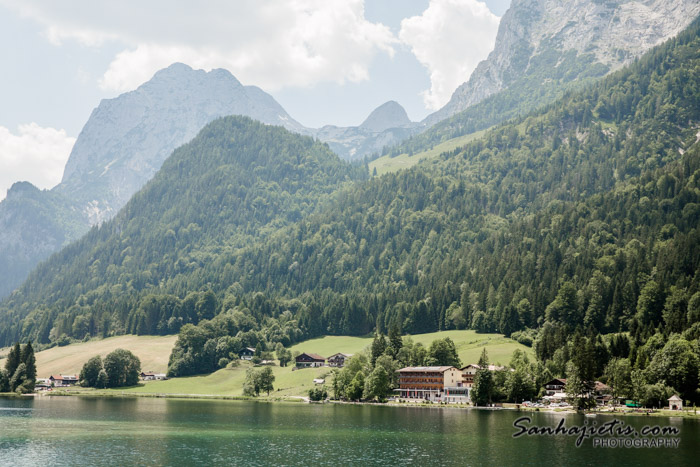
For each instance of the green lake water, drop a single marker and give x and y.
(76, 431)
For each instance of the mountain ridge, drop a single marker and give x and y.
(535, 27)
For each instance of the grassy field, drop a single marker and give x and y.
(388, 164)
(290, 382)
(469, 345)
(229, 382)
(153, 351)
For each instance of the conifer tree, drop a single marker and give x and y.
(29, 361)
(13, 360)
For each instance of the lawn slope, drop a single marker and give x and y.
(153, 351)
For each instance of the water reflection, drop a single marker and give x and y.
(143, 431)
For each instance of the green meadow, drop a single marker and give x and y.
(387, 164)
(290, 382)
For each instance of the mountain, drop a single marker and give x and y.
(233, 184)
(120, 148)
(385, 126)
(553, 43)
(388, 115)
(33, 224)
(545, 49)
(126, 139)
(580, 216)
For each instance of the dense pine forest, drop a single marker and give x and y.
(573, 229)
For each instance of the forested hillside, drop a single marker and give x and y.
(236, 182)
(578, 220)
(513, 216)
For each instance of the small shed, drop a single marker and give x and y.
(675, 403)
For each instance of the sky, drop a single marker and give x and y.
(324, 61)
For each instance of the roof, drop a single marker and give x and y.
(416, 369)
(346, 355)
(601, 386)
(314, 356)
(64, 377)
(556, 381)
(491, 367)
(675, 398)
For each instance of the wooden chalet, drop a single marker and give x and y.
(555, 386)
(310, 360)
(152, 376)
(338, 360)
(246, 353)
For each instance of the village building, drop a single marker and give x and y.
(310, 360)
(555, 386)
(469, 372)
(42, 384)
(555, 390)
(246, 353)
(338, 360)
(151, 376)
(63, 380)
(432, 383)
(601, 393)
(675, 403)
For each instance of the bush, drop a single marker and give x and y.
(526, 337)
(224, 362)
(318, 394)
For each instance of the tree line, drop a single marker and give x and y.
(19, 374)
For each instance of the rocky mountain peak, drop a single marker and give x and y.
(539, 33)
(388, 115)
(126, 139)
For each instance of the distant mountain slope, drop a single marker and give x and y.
(33, 224)
(235, 183)
(387, 125)
(123, 143)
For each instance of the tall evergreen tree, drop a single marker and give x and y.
(14, 358)
(482, 391)
(29, 361)
(395, 341)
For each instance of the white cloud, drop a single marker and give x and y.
(450, 38)
(272, 44)
(34, 154)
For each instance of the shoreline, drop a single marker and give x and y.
(684, 414)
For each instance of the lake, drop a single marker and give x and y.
(142, 431)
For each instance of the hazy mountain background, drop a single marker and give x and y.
(121, 147)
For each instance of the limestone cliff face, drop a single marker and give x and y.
(126, 139)
(608, 33)
(121, 147)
